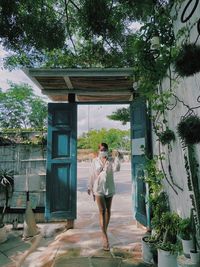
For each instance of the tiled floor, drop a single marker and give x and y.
(81, 246)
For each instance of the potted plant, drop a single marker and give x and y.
(189, 129)
(6, 188)
(149, 251)
(185, 233)
(187, 62)
(166, 137)
(159, 204)
(168, 246)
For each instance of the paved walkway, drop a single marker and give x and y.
(81, 246)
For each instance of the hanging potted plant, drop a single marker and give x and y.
(187, 62)
(6, 187)
(166, 137)
(189, 128)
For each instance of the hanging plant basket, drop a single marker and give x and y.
(166, 137)
(189, 129)
(187, 62)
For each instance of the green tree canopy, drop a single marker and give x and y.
(121, 114)
(21, 108)
(84, 33)
(115, 138)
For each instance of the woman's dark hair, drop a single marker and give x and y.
(103, 147)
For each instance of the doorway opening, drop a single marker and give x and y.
(93, 128)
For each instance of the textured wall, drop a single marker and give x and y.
(29, 165)
(187, 90)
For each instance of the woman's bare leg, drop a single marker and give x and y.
(108, 202)
(102, 218)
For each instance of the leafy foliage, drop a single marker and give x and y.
(101, 11)
(185, 228)
(187, 62)
(169, 222)
(116, 139)
(167, 136)
(189, 129)
(153, 176)
(122, 114)
(21, 108)
(6, 186)
(85, 33)
(27, 24)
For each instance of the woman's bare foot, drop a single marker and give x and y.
(106, 246)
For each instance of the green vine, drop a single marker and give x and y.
(194, 169)
(187, 168)
(153, 176)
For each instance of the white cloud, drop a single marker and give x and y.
(16, 76)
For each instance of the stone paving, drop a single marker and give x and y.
(76, 247)
(81, 246)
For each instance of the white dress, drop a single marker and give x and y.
(101, 180)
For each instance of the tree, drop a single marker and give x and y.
(115, 138)
(122, 114)
(21, 108)
(82, 33)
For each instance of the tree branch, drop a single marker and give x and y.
(68, 28)
(73, 4)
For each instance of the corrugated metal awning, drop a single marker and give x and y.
(88, 85)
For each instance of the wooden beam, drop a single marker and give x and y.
(68, 82)
(33, 79)
(86, 92)
(114, 72)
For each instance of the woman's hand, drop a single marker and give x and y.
(89, 193)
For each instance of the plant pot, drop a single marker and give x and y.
(187, 246)
(195, 256)
(147, 254)
(166, 259)
(3, 234)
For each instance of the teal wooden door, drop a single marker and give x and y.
(140, 136)
(61, 180)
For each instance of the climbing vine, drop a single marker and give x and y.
(192, 171)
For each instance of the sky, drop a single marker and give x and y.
(86, 118)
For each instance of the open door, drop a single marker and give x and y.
(61, 177)
(140, 136)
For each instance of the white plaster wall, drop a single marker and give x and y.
(191, 23)
(187, 90)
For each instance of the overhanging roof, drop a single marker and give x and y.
(88, 85)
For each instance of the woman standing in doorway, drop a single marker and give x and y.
(102, 187)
